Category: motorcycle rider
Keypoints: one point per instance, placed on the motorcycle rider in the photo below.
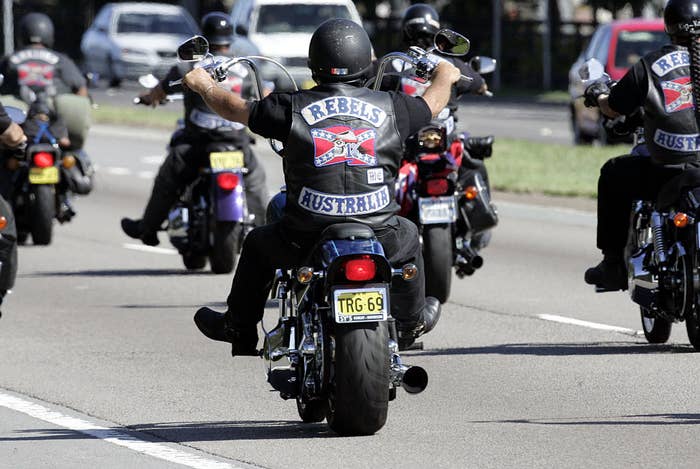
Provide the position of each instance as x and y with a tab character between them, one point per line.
36	68
320	192
188	148
670	130
11	136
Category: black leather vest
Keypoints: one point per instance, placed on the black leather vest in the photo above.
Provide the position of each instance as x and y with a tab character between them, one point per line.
670	127
36	69
341	158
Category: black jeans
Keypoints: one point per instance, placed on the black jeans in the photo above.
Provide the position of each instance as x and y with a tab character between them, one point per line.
8	249
181	167
270	247
622	181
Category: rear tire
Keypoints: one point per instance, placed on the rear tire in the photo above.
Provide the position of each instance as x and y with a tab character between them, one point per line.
656	330
42	212
223	254
438	259
692	325
359	397
194	261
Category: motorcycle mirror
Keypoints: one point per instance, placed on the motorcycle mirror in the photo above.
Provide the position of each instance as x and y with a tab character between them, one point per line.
17	115
591	70
193	50
483	65
148	81
449	42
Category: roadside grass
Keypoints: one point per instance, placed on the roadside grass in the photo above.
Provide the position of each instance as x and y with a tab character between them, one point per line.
542	168
141	116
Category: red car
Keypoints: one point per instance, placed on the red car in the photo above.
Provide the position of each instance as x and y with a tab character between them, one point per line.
617	45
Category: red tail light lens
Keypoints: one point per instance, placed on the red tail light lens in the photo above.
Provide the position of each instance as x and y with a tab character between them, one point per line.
227	181
43	159
361	269
436	186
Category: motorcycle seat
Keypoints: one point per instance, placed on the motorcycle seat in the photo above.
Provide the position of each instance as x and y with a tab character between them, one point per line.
672	191
347	231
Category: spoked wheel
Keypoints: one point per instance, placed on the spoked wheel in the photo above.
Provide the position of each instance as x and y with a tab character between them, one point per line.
656	330
359	396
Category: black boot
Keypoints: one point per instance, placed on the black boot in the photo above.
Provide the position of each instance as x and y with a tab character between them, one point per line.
134	229
609	275
430	315
218	326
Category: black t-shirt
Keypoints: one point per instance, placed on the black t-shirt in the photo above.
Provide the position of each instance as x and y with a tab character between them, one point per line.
5	120
630	92
65	76
272	116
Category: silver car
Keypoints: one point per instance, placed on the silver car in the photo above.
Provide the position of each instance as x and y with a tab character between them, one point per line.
127	40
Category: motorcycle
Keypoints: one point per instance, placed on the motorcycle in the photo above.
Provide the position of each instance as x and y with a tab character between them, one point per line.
663	246
452	209
334	349
211	217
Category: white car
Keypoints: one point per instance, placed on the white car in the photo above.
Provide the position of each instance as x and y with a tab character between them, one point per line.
282	29
127	40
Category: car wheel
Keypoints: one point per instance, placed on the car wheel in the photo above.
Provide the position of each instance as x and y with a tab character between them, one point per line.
579	137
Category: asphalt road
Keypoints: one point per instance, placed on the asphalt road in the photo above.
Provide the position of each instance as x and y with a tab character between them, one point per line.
102	365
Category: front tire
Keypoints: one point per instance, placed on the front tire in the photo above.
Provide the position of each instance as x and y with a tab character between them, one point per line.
656	330
42	212
194	261
438	259
224	252
359	397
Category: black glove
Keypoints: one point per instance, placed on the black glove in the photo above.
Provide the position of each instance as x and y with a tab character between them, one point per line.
593	91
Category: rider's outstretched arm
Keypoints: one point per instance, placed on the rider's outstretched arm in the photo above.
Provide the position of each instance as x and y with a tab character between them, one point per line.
228	105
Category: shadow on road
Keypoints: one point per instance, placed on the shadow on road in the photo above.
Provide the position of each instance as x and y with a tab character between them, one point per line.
118	273
564	349
193	432
642	419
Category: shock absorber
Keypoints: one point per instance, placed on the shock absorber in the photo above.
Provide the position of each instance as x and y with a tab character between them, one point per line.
657	230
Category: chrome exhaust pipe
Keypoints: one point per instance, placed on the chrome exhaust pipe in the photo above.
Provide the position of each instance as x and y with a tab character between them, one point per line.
468	261
413	379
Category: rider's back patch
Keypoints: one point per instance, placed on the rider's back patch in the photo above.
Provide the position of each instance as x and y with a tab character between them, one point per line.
678	94
344	144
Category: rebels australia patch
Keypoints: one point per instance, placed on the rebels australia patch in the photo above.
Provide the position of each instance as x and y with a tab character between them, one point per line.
678	94
336	205
671	62
343	106
343	144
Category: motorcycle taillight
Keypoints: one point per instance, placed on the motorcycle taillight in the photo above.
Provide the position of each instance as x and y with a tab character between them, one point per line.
42	159
436	186
227	181
360	269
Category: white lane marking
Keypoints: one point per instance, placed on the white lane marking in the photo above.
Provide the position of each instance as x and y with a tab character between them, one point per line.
117	171
151	249
146	174
110	435
590	325
153	159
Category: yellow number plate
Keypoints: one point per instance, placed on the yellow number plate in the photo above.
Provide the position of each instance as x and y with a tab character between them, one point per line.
361	304
307	84
43	175
226	160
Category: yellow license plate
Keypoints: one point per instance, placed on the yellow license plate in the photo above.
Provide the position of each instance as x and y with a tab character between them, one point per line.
226	160
307	84
360	305
43	175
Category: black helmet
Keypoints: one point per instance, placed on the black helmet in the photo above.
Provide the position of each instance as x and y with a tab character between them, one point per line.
340	50
217	28
36	28
420	23
682	17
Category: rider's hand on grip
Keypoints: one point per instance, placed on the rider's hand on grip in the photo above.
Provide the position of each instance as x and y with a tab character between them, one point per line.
592	93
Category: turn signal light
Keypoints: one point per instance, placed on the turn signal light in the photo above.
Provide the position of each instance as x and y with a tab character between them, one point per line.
680	220
305	274
43	159
227	181
471	192
409	271
361	269
3	223
68	161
